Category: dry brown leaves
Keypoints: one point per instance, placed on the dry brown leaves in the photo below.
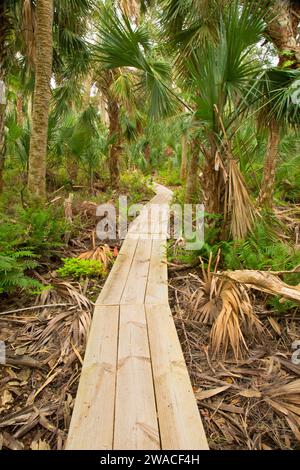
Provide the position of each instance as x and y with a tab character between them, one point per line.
226	306
104	254
248	403
38	383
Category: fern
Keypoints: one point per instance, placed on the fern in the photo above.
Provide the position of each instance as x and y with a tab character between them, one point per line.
12	272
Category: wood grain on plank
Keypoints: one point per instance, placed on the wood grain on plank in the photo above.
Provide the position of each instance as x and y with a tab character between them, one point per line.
157	285
179	420
93	415
136	425
113	288
135	287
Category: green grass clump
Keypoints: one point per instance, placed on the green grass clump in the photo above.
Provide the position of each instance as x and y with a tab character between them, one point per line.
77	268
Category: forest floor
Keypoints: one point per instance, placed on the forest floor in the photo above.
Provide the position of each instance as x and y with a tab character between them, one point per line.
45	346
244	404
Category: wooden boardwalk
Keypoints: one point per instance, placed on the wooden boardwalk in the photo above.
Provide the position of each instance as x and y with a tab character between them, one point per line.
134	391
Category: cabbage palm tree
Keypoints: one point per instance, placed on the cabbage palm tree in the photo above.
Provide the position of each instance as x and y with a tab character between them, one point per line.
41	100
129	76
283	19
18	26
217	78
5	43
3	35
279	107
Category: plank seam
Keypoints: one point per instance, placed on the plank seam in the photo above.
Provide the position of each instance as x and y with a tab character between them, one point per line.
114	414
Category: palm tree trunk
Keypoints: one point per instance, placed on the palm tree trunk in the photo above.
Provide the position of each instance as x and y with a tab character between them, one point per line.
183	157
41	100
2	135
268	181
282	30
192	183
4	29
115	147
104	83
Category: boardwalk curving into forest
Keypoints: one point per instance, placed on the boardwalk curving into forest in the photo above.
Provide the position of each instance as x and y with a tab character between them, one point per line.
135	391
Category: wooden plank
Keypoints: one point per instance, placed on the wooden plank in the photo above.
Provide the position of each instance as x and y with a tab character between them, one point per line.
179	420
157	284
135	288
93	416
136	424
113	288
142	223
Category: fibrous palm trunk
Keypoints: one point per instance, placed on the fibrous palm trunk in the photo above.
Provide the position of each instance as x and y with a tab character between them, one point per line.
268	181
213	184
2	136
192	181
4	27
282	30
41	100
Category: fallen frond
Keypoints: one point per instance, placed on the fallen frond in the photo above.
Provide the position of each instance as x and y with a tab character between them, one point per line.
263	281
285	400
225	305
62	290
103	254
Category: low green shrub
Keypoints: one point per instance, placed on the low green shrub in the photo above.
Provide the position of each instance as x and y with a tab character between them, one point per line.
75	267
36	230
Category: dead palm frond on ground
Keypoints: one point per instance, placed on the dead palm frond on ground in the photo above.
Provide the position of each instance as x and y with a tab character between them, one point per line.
227	307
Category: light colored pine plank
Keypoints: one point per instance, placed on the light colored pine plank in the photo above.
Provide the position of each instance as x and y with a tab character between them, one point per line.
157	284
136	424
179	420
135	288
93	416
113	288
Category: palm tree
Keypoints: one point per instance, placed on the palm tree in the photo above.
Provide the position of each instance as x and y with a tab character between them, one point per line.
105	80
277	111
5	28
217	77
128	78
41	100
283	18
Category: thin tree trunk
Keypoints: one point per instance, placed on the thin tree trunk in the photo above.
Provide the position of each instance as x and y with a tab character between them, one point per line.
268	181
72	168
41	100
183	168
192	183
105	81
147	153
